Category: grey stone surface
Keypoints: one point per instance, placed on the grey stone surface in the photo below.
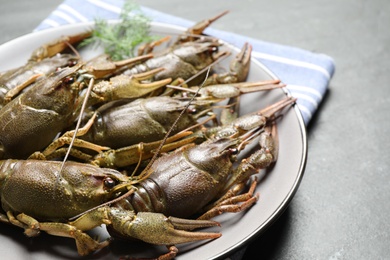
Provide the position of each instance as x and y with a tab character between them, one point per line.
341	208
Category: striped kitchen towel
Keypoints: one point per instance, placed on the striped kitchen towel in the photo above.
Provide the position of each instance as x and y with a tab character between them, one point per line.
306	74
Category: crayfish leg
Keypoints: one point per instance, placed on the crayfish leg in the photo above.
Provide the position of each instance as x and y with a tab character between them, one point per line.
130	155
54	150
233	203
261	159
172	252
32	227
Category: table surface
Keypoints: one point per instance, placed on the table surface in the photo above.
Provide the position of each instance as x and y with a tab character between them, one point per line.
341	208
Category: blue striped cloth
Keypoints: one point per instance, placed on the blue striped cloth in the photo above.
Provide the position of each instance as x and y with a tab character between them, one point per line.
306	74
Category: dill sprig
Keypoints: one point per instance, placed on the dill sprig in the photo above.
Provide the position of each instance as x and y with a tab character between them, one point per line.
120	40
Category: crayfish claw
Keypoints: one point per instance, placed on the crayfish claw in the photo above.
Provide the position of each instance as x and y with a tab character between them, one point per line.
149	47
148	74
238	68
189	224
157	229
102	66
197	29
241	64
56	46
123	86
18	89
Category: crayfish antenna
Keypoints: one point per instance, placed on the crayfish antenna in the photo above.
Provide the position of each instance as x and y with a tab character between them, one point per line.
89	89
273	109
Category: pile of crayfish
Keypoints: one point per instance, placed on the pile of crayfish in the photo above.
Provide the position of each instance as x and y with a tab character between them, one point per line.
151	159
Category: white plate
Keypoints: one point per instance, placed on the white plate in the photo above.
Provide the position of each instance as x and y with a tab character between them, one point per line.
277	188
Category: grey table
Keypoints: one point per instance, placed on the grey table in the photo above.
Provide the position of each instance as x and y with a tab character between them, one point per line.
341	208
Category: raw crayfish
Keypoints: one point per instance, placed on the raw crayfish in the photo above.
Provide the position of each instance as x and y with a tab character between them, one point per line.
52	105
195	179
131	207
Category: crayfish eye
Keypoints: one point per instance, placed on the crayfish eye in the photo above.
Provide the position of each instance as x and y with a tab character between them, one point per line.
213	49
71	63
233	151
68	80
191	111
109	183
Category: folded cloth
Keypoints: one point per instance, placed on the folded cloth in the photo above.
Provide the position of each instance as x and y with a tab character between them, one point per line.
305	73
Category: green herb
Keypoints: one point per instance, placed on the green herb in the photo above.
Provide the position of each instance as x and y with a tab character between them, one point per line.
120	40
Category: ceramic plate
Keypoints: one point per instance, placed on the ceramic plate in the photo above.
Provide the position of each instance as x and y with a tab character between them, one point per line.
276	188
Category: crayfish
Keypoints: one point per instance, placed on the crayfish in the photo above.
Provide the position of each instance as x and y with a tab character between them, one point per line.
183	172
194	179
